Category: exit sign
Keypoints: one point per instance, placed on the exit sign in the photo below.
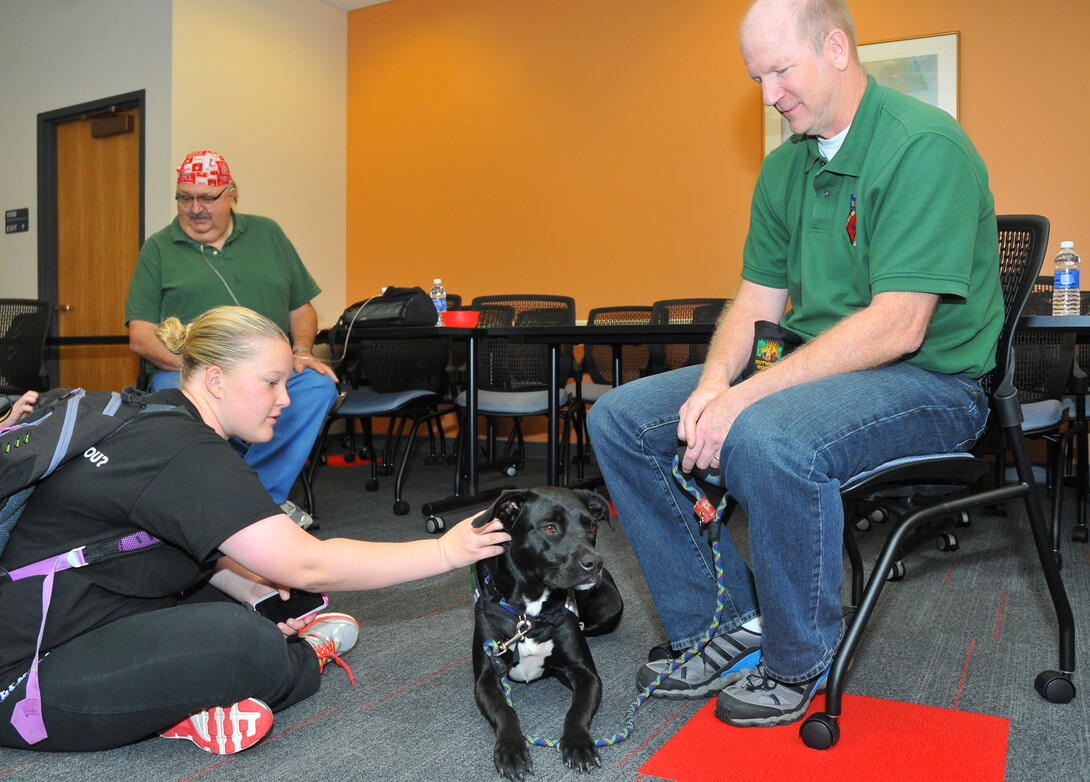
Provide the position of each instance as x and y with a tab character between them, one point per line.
16	221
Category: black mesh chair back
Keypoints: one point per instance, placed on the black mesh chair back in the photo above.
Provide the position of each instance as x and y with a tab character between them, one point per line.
1022	243
1043	365
403	364
598	359
507	365
682	311
24	325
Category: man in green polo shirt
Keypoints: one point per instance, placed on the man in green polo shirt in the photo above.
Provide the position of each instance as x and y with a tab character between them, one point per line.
211	255
873	238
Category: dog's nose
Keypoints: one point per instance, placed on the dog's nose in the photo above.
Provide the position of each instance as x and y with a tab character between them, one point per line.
591	564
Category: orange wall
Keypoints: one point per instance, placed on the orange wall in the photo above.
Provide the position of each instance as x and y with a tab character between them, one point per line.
608	149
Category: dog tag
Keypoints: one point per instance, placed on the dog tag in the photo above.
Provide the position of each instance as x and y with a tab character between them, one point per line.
705	510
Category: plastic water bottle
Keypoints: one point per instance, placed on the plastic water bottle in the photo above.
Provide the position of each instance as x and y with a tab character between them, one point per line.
439	299
1065	285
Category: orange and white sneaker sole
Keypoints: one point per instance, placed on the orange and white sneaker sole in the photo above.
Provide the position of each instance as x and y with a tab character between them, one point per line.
225	730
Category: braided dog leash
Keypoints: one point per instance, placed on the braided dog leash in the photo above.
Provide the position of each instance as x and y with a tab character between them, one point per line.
710	517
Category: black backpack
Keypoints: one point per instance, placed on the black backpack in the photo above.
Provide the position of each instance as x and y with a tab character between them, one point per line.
68	428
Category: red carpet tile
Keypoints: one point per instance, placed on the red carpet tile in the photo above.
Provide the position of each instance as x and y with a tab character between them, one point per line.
338	460
880	741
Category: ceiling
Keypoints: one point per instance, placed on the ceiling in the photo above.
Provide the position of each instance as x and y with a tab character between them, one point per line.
350	5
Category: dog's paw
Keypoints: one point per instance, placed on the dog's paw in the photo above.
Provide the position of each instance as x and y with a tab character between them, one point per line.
579	753
512	759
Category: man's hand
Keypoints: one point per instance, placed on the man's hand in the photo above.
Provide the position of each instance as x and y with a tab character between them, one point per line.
301	361
705	421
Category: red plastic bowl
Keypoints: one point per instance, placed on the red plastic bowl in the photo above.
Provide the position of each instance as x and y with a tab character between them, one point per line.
461	319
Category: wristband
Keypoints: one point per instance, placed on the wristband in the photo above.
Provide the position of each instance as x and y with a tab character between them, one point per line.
299	351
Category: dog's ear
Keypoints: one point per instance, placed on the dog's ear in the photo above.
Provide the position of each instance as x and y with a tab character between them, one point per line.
599	508
506	508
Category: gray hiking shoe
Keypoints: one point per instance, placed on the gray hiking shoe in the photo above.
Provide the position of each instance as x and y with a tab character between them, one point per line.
726	659
302	519
758	700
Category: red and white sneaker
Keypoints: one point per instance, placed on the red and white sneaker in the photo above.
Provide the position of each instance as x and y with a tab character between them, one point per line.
332	635
225	730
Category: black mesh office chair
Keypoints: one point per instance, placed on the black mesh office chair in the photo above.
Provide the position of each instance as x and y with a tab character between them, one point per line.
1045	369
663	358
24	326
597	363
926	490
513	377
403	380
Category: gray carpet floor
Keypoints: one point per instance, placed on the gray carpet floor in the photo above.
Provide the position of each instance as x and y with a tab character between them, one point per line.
411	714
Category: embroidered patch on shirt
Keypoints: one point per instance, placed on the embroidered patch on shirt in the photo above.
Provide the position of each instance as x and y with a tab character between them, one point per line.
851	222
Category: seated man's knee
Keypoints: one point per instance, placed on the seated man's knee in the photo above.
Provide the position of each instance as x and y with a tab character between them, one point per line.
163	380
317	389
612	413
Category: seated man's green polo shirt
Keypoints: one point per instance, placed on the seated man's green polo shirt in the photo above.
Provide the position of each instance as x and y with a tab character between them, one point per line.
903	206
257	268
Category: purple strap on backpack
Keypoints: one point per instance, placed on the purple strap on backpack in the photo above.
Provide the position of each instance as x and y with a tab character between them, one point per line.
27	715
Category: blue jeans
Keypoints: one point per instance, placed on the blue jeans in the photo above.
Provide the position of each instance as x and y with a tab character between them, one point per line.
279	461
784	460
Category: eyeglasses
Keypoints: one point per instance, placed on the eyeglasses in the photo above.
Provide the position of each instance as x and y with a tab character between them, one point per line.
185	199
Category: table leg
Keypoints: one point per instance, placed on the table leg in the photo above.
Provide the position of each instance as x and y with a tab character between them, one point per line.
473	495
554	413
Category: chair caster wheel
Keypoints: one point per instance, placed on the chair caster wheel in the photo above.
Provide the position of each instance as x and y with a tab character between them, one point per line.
1054	687
349	458
947	541
371	485
820	731
401	508
963	520
1079	534
435	524
324	460
510	471
897	571
429	460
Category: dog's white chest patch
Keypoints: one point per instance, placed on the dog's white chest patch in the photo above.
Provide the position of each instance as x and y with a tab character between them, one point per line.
534	608
532	656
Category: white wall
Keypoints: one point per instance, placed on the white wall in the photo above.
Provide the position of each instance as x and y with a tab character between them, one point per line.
264	83
60	53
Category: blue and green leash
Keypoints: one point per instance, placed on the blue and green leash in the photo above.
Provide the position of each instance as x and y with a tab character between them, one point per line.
710	517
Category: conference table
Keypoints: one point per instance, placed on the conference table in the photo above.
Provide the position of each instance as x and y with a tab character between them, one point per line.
553	337
616	336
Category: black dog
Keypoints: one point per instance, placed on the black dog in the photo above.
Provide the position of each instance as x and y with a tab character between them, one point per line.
525	619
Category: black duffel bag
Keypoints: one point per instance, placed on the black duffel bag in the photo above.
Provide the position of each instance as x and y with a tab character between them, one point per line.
395	307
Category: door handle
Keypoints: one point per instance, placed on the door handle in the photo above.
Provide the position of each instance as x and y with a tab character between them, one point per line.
63	308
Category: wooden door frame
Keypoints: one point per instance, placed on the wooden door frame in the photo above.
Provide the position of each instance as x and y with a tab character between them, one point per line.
47	189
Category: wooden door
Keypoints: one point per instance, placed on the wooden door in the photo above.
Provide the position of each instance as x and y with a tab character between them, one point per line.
98	239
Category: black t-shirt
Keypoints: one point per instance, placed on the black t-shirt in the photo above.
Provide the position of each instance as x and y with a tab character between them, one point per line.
168	474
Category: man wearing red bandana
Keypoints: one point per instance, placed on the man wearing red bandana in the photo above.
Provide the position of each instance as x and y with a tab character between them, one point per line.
211	255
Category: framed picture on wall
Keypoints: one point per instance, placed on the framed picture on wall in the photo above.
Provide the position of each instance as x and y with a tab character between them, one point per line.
925	68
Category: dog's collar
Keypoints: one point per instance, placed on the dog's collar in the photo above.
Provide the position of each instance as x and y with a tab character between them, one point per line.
488	594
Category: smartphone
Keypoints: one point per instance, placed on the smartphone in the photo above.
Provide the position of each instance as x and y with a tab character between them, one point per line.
299	605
